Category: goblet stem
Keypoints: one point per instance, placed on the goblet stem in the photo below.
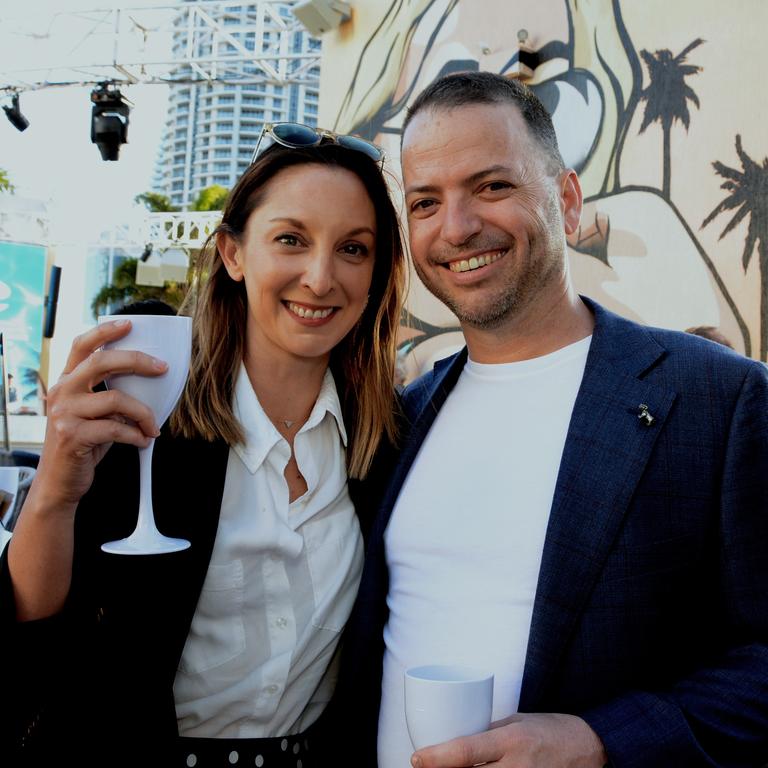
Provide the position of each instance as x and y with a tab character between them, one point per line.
145	539
145	525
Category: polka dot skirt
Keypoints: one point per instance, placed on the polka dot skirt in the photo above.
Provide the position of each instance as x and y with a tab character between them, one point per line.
288	752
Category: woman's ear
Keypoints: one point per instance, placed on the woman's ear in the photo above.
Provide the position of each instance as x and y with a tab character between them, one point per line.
229	250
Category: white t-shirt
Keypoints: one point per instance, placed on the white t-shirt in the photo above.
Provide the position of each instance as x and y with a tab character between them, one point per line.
465	540
280	584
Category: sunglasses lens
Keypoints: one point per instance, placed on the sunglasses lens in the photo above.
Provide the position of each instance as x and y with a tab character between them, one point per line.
296	135
360	145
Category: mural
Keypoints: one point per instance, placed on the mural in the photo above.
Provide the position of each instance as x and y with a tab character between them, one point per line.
644	111
22	289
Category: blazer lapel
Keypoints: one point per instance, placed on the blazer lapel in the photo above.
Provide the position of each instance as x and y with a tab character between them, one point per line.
156	595
606	451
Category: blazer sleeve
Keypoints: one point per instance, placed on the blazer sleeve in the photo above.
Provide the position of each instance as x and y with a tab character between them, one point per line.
43	657
718	715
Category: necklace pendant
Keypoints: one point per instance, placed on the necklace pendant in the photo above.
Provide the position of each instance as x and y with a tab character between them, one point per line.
288	424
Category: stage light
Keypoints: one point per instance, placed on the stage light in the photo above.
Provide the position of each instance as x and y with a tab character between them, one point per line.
109	119
13	113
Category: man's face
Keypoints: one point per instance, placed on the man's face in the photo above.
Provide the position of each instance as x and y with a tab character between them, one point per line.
486	213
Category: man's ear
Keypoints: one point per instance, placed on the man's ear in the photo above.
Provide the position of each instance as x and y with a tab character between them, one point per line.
570	200
229	250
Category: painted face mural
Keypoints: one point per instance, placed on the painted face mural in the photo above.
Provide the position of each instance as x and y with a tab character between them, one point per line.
638	110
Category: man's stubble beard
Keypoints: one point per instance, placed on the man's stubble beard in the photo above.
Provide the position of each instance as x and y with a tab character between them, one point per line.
509	299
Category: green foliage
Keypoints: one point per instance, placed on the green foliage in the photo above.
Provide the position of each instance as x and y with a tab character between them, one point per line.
124	290
155	202
212	198
5	182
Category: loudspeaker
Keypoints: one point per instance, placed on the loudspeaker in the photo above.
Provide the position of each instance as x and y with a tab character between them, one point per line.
51	300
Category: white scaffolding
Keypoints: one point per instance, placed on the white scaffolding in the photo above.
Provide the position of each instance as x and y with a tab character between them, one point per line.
230	41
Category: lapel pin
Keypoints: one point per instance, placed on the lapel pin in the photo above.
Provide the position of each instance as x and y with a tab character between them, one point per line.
644	415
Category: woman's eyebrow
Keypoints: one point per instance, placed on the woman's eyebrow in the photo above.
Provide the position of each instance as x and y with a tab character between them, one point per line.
361	231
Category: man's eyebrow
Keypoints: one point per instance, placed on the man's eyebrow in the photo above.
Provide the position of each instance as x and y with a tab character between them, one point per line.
420	188
480	175
469	181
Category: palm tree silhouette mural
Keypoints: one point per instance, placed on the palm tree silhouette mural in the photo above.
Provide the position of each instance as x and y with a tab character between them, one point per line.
748	190
667	96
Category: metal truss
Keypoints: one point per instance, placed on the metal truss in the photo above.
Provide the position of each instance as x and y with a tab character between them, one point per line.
230	41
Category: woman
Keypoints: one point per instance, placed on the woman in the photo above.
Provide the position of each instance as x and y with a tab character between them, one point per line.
221	654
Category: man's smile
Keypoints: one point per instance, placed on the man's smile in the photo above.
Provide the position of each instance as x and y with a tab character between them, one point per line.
475	262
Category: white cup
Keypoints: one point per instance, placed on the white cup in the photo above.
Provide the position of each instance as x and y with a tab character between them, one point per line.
444	702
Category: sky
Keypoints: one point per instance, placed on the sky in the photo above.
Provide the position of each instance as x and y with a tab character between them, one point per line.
54	159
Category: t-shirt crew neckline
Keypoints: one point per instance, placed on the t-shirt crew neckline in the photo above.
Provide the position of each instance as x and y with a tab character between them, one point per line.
532	366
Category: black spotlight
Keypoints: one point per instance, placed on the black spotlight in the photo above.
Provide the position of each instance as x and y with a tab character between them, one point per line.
109	120
13	113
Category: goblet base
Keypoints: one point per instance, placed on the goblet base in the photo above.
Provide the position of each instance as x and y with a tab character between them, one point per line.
156	544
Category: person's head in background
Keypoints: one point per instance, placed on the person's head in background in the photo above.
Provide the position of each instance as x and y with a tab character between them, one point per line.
711	333
146	307
231	302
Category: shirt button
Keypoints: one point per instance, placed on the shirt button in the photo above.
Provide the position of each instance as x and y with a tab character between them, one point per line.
281	622
272	688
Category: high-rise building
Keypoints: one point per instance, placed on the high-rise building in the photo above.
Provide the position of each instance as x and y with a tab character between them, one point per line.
212	128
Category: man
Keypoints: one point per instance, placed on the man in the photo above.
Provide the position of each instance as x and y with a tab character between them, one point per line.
579	504
711	333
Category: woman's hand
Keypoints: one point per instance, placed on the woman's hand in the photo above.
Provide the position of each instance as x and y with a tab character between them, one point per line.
83	424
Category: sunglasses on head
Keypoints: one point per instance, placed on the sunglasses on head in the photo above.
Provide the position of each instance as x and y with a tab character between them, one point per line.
297	136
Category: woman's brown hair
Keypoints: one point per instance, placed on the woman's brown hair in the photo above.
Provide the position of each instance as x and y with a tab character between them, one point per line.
362	363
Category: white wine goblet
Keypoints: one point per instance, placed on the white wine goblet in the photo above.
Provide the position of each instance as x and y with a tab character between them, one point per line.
168	338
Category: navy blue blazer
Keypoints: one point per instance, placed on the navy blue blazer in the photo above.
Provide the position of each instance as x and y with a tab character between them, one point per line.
651	615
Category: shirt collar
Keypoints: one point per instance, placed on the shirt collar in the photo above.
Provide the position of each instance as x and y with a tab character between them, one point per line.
260	435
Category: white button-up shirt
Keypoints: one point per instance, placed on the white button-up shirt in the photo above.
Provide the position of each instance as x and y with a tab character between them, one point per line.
280	584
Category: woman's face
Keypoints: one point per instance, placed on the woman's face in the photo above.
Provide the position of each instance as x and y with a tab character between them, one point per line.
306	257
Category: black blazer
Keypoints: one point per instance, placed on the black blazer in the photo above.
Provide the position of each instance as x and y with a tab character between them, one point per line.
95	683
651	613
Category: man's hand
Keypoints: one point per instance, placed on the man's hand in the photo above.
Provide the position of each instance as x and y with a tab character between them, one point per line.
521	741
